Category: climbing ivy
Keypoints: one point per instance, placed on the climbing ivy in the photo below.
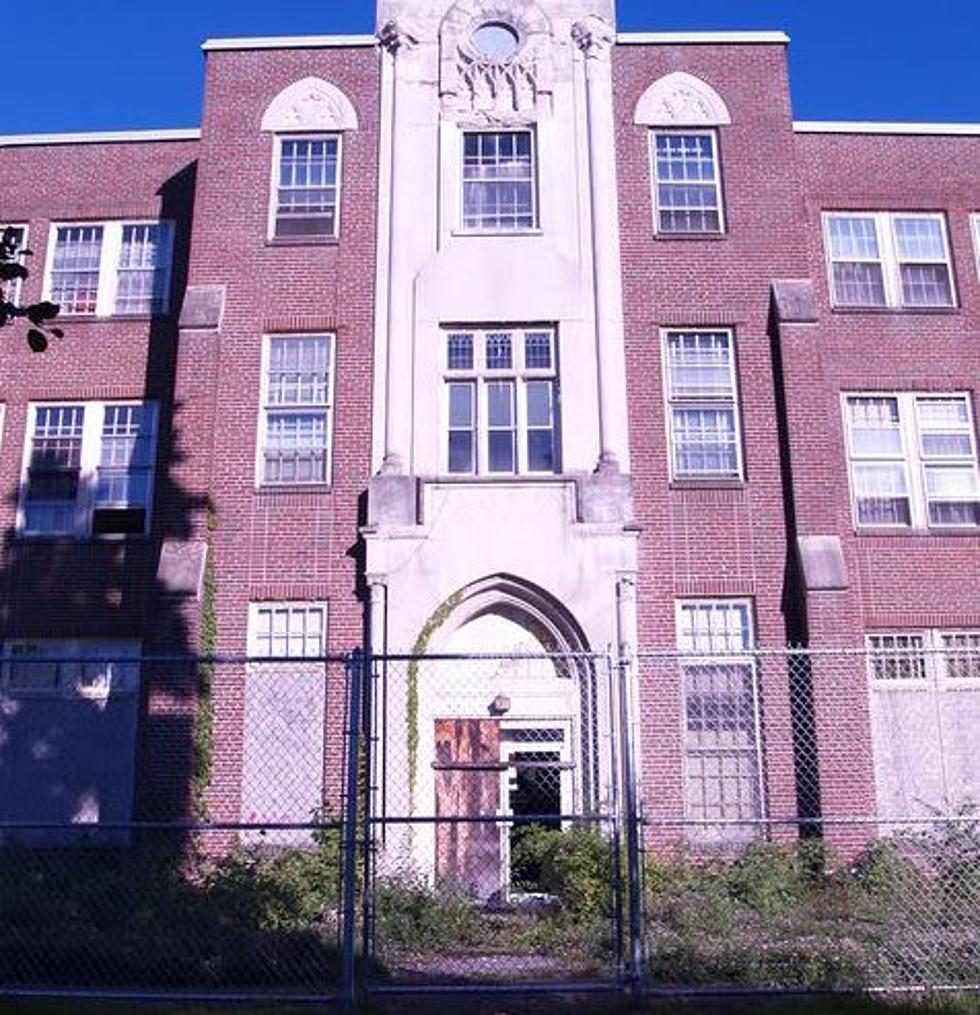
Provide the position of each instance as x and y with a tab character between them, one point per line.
421	646
204	718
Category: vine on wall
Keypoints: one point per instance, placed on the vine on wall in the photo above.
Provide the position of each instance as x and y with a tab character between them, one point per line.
204	718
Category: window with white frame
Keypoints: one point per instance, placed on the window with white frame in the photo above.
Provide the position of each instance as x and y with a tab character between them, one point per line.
296	420
687	193
722	745
975	227
499	180
913	460
702	399
70	667
105	268
501	401
889	259
306	192
88	469
287	630
12	289
949	658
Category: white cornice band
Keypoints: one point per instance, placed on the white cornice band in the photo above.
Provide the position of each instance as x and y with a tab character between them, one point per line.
99	137
701	38
875	127
290	42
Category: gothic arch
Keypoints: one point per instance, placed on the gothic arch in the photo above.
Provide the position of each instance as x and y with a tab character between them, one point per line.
681	100
527	604
310	105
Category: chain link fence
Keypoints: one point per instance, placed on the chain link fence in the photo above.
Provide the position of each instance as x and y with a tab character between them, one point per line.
685	820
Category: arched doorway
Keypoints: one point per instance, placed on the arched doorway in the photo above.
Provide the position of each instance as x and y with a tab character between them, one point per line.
507	704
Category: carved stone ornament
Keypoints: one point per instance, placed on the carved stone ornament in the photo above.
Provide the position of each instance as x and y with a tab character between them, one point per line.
594	36
310	105
681	100
396	35
477	88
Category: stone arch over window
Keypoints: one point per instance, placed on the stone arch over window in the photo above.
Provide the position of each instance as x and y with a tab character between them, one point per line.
472	84
312	105
681	100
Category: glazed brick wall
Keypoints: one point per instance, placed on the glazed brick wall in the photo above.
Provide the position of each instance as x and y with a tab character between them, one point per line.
94	588
283	543
711	540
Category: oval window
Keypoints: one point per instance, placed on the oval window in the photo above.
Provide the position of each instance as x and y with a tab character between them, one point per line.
496	41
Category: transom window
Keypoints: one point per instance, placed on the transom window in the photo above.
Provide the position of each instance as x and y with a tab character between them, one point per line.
913	460
501	401
107	268
687	182
703	417
898	659
297	411
886	259
306	200
12	289
89	469
288	630
499	188
70	668
722	764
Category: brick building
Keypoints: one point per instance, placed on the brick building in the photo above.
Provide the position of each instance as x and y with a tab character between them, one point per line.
498	332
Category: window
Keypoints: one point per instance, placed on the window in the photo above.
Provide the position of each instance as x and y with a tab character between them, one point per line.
687	182
887	259
722	746
913	460
901	659
287	630
499	190
501	401
100	269
306	198
88	469
12	289
297	412
71	668
975	225
703	419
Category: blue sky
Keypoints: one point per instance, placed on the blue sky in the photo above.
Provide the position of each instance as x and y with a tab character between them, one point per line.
115	64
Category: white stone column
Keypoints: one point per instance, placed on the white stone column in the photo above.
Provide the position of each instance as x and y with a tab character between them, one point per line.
595	38
398	43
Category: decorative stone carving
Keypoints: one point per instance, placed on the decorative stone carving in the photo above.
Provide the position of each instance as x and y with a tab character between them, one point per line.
310	105
477	88
203	308
795	301
180	570
681	100
396	35
594	36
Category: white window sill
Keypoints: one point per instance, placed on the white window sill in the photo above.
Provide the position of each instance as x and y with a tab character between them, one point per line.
497	232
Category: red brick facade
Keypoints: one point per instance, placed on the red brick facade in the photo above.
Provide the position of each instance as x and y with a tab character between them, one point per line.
732	539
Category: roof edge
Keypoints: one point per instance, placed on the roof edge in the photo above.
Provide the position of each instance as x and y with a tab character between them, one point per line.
289	42
880	127
702	38
98	137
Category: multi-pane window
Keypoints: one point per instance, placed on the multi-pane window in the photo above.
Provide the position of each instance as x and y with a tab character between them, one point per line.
110	268
306	200
89	469
297	411
884	259
913	460
499	188
288	630
950	658
722	764
975	228
72	668
501	401
12	289
687	182
702	398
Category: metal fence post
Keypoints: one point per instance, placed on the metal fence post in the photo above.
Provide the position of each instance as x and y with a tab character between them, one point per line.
348	985
633	874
